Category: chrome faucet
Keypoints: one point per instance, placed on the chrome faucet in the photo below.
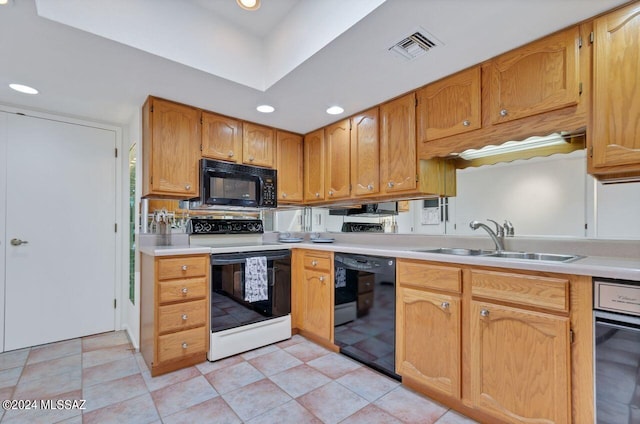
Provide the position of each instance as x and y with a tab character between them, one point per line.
497	236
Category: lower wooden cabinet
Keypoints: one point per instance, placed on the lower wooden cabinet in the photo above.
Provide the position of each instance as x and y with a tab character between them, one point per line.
174	306
501	346
313	291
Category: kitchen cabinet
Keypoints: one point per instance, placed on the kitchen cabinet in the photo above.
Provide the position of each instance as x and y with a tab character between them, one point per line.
313	168
337	138
428	313
314	292
221	137
170	149
174	311
289	164
365	153
449	106
615	139
258	145
398	163
536	78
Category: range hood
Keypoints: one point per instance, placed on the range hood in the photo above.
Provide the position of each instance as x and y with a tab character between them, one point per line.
368	210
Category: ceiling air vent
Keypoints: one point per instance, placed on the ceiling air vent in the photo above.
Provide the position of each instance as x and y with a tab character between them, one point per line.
415	45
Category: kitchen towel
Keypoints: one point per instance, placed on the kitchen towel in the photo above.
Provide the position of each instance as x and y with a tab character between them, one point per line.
341	277
255	279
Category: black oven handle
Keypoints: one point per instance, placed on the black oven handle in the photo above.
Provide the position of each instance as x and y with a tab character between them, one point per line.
240	257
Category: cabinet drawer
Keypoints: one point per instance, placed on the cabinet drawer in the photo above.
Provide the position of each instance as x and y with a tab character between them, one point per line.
423	275
182	315
181	344
366	281
317	262
186	289
183	267
531	290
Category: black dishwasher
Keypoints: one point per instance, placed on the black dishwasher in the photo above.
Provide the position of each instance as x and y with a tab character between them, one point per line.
364	315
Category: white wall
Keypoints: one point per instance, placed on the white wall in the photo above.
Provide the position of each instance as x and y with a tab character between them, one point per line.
3	210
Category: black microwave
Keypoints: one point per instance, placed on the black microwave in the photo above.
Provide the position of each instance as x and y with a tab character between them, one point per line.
229	184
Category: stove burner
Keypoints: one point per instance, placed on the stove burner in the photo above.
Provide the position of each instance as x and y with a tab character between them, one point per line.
361	227
225	226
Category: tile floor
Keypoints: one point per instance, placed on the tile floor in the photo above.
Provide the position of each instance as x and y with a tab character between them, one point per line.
295	381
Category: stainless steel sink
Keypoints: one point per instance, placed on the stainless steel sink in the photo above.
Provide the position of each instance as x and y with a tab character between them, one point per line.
458	251
551	257
535	256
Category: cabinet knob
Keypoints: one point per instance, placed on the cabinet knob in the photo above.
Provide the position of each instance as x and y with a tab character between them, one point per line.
184	267
184	317
466	123
251	158
314	263
321	278
185	345
184	290
230	154
284	195
370	187
187	186
504	112
484	313
330	192
390	184
317	194
444	305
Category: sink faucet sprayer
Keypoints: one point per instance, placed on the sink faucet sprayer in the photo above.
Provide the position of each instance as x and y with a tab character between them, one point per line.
498	235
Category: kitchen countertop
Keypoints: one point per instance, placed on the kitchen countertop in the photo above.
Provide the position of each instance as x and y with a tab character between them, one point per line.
596	266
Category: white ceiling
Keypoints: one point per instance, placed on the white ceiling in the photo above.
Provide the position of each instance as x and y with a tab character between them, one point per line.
100	59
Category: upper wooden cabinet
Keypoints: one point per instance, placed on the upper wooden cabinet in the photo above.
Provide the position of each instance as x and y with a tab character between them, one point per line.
337	138
221	137
615	138
289	160
365	153
258	145
314	166
171	149
398	163
536	78
449	106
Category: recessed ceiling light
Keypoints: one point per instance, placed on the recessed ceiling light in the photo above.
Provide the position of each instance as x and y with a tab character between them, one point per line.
249	4
24	88
265	108
3	2
335	110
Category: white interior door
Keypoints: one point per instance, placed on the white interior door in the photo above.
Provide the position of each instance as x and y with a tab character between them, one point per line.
60	200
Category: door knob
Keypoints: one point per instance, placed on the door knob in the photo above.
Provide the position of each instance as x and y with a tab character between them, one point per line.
18	242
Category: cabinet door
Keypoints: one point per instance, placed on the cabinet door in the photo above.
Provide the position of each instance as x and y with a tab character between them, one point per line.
616	102
258	145
536	78
172	141
428	339
398	161
337	141
314	166
450	106
221	137
365	153
289	158
520	364
318	305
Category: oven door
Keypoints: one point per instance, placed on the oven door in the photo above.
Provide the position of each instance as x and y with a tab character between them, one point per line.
229	307
617	363
227	188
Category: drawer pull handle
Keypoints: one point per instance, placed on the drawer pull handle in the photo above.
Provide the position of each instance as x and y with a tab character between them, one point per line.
504	112
466	123
321	279
314	263
317	194
184	267
184	317
230	153
184	290
444	305
390	184
484	313
370	187
185	345
187	187
284	195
